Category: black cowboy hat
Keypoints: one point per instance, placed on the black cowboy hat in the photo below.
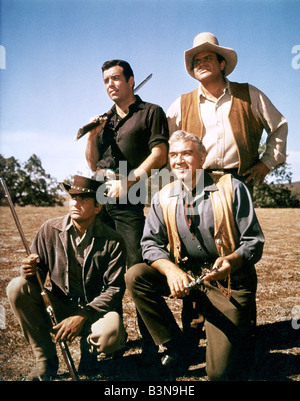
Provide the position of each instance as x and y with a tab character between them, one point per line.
82	185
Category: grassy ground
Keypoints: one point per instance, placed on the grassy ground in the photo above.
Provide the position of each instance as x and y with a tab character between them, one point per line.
278	307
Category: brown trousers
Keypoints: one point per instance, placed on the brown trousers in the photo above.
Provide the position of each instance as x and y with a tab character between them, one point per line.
229	324
106	335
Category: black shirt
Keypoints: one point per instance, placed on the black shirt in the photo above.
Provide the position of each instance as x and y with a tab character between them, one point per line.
132	138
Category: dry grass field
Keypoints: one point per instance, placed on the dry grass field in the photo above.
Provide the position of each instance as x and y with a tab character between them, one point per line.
278	307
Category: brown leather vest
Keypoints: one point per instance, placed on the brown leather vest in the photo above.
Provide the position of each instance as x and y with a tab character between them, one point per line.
247	130
225	232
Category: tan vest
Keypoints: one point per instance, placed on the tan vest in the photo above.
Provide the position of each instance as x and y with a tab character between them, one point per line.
225	232
247	130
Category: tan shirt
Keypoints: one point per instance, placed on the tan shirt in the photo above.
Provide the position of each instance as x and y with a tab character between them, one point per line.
218	137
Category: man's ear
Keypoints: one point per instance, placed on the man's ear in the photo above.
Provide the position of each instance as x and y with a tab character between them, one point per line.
222	65
203	157
131	82
98	208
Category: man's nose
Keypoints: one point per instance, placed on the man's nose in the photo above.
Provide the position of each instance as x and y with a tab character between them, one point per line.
179	158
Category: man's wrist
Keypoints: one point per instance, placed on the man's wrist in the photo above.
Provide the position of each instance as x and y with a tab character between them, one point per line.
132	179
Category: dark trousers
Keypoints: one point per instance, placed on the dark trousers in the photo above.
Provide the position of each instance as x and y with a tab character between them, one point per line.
229	324
128	220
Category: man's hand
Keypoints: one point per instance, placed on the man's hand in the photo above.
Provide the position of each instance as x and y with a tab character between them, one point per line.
116	188
119	188
69	328
224	266
178	281
102	120
29	265
91	152
257	173
177	278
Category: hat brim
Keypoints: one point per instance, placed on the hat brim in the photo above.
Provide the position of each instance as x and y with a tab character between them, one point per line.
73	191
227	53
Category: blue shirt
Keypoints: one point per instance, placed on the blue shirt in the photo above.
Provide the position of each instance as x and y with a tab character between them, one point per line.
155	239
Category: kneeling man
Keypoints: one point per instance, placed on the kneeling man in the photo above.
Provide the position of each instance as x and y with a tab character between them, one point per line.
200	223
86	262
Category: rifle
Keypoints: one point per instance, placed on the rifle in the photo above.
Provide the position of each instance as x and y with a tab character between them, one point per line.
86	128
63	345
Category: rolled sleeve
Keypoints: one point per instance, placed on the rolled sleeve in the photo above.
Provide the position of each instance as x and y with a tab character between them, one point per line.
275	125
159	128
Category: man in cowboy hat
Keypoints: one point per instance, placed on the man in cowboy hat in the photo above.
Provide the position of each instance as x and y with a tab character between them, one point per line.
86	262
229	117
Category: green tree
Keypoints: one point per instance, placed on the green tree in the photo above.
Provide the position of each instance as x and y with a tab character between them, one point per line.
29	184
275	193
11	172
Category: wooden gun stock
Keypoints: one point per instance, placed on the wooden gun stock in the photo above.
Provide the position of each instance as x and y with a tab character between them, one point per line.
63	345
86	128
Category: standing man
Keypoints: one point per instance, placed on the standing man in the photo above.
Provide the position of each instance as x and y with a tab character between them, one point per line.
195	224
227	116
135	135
86	261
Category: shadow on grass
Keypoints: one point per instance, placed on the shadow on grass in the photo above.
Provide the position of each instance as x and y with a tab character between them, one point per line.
275	360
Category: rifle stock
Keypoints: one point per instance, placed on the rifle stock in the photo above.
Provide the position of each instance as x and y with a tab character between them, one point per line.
86	128
63	345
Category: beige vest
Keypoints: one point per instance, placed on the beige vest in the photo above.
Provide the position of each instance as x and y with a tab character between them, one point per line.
225	232
247	130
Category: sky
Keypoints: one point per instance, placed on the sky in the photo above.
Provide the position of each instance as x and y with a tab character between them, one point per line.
51	52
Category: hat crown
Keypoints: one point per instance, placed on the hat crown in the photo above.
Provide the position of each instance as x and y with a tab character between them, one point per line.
205	37
82	185
206	41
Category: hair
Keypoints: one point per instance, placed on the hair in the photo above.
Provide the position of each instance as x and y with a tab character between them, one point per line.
220	59
184	136
127	70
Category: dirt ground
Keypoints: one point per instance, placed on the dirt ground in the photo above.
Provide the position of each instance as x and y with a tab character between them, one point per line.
278	308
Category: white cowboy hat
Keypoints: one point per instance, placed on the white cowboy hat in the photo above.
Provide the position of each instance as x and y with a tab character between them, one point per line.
206	41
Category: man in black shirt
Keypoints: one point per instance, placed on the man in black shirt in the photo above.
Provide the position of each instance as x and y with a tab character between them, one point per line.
123	150
134	136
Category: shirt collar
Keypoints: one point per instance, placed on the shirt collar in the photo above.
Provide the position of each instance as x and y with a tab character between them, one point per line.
136	105
209	186
72	230
202	92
